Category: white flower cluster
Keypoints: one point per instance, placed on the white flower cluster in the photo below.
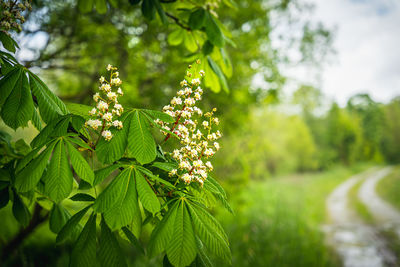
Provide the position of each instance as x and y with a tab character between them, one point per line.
197	138
107	108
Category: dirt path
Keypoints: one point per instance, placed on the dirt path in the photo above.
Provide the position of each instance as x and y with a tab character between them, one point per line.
384	213
357	243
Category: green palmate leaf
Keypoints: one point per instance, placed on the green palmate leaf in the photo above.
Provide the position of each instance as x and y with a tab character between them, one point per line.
197	18
160	12
58	218
79	109
176	37
148	9
190	42
140	142
28	177
211	80
20	211
43	136
110	253
36	120
165	166
202	259
100	175
50	106
79	164
126	210
162	233
71	226
85	6
147	172
207	48
58	179
79	142
101	6
182	250
227	65
208	219
8	42
77	122
219	73
147	196
213	31
18	108
8	82
210	233
82	197
61	128
84	251
113	150
114	192
132	238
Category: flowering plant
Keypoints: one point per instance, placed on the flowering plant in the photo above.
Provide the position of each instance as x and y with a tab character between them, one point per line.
103	162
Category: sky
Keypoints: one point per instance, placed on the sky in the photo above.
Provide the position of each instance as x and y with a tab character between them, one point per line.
367	44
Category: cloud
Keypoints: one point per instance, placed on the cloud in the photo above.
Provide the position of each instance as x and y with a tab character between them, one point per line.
367	44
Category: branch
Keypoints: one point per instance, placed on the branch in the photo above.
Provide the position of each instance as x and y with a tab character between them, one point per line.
14	243
177	21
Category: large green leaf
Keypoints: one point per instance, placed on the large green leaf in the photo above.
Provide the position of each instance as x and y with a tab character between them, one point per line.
71	226
58	179
18	108
148	9
110	253
197	18
101	174
209	233
182	250
126	210
85	6
101	6
79	164
20	211
50	106
58	218
160	11
162	233
8	42
8	82
140	140
132	238
29	176
214	66
110	151
176	37
84	251
147	196
213	31
114	193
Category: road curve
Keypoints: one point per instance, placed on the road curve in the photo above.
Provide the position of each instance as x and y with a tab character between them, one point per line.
384	213
357	243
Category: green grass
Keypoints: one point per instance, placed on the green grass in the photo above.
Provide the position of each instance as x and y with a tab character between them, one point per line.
389	187
357	205
278	221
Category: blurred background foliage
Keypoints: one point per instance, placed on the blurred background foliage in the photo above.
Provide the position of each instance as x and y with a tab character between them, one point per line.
268	132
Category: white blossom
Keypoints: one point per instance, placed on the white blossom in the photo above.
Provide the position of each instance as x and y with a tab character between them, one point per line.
107	135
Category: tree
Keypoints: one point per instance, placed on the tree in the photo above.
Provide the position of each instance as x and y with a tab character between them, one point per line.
79	147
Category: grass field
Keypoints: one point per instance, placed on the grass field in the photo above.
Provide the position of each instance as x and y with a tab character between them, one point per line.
278	221
389	187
